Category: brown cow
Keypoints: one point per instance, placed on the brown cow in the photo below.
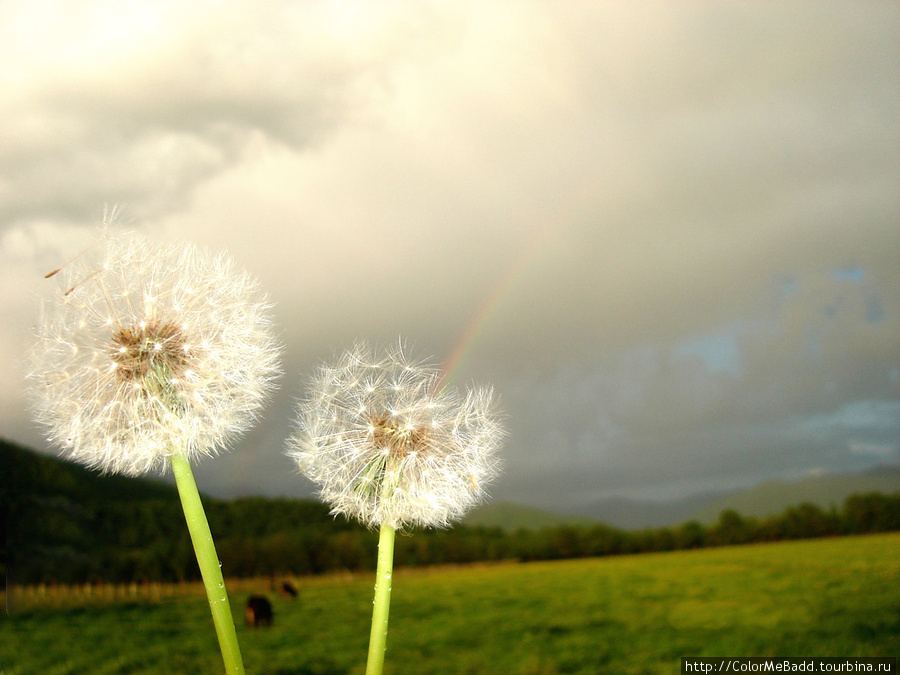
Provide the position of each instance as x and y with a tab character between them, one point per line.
259	611
288	590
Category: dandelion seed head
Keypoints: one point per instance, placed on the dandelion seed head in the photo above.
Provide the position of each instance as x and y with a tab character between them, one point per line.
146	349
387	445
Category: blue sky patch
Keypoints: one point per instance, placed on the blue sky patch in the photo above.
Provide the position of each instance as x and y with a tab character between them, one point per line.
718	351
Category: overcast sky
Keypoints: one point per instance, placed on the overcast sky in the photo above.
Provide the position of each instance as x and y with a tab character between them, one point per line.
667	233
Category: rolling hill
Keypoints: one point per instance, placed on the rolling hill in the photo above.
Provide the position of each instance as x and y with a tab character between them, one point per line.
825	491
65	524
68	487
26	472
509	516
767	498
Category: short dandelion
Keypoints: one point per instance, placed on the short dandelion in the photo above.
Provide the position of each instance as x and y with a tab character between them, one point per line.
390	446
149	356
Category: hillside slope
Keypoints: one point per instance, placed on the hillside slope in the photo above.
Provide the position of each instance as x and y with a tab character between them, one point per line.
825	491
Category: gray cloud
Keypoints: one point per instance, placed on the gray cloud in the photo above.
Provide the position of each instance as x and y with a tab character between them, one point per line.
667	233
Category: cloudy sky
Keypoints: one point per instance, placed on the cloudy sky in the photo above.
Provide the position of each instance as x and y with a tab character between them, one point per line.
668	233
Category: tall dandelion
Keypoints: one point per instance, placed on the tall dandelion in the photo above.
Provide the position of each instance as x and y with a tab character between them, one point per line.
391	447
149	356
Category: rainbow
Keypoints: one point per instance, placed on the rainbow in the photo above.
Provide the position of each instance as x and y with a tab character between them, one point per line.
469	335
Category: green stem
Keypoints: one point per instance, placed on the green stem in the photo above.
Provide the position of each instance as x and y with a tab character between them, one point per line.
378	636
208	561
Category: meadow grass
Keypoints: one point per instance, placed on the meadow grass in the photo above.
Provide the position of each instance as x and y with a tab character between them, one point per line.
628	614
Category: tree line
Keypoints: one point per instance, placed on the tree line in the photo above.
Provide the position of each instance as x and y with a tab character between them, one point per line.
146	540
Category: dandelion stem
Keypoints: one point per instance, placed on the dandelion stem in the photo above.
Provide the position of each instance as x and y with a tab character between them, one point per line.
208	561
378	636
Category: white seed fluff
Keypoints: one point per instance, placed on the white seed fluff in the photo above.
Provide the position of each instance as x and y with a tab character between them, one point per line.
387	445
147	349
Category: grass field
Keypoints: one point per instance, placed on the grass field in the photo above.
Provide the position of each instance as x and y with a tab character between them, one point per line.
629	614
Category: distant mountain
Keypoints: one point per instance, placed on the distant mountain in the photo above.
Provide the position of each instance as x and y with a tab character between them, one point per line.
64	523
825	491
765	499
637	514
509	516
48	484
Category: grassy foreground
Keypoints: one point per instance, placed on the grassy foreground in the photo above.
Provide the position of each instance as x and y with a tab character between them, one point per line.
629	614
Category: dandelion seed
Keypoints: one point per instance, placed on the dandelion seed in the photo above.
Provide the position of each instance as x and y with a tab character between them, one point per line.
130	366
386	448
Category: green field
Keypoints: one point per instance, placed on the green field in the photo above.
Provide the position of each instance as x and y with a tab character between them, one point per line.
629	614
